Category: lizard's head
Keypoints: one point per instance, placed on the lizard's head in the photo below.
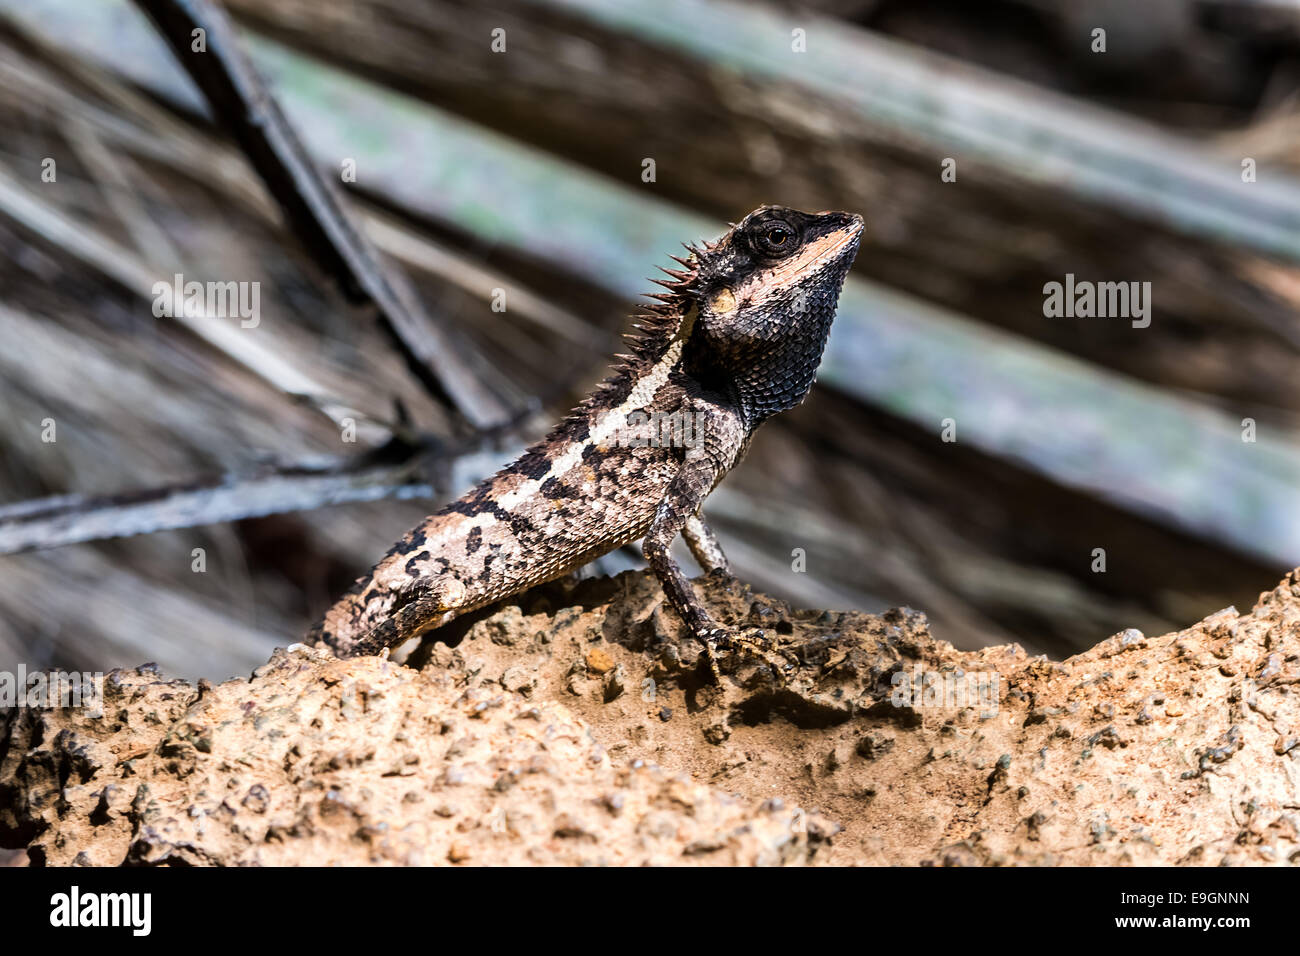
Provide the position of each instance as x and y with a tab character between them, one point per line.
767	293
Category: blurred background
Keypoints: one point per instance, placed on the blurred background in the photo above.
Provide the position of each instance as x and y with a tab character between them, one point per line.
549	153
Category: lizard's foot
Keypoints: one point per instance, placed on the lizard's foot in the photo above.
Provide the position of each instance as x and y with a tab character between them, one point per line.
753	640
712	638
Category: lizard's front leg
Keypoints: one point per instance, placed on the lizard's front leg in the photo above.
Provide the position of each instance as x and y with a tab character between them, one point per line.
670	518
723	439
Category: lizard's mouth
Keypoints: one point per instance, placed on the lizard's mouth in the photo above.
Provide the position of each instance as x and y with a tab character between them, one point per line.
852	225
853	232
825	249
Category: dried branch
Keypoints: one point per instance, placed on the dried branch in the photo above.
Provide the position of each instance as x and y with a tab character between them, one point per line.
122	266
154	134
449	368
73	519
1187	469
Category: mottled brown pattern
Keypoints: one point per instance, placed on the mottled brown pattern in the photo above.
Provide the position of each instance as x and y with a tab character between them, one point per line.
737	338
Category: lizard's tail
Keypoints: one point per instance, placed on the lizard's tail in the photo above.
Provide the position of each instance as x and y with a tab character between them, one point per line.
346	623
393	603
368	619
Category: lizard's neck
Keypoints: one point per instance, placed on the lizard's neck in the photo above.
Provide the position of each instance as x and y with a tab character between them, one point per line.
761	377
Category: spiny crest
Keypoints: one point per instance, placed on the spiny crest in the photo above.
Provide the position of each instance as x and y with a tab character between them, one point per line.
653	328
656	323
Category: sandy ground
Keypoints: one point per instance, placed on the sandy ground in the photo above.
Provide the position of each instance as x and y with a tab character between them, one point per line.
577	727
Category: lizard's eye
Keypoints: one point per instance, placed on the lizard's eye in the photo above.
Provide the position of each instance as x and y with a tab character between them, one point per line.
775	238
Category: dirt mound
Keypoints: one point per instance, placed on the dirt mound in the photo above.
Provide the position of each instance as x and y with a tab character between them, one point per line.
576	726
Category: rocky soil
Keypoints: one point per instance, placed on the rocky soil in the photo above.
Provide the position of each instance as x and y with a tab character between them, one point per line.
577	726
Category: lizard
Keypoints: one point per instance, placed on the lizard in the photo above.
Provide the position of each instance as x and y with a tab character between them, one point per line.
736	338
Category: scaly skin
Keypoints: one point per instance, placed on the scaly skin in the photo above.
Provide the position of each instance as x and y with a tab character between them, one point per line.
736	339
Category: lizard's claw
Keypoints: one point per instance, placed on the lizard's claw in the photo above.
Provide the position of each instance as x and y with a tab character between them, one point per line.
714	638
756	641
753	640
